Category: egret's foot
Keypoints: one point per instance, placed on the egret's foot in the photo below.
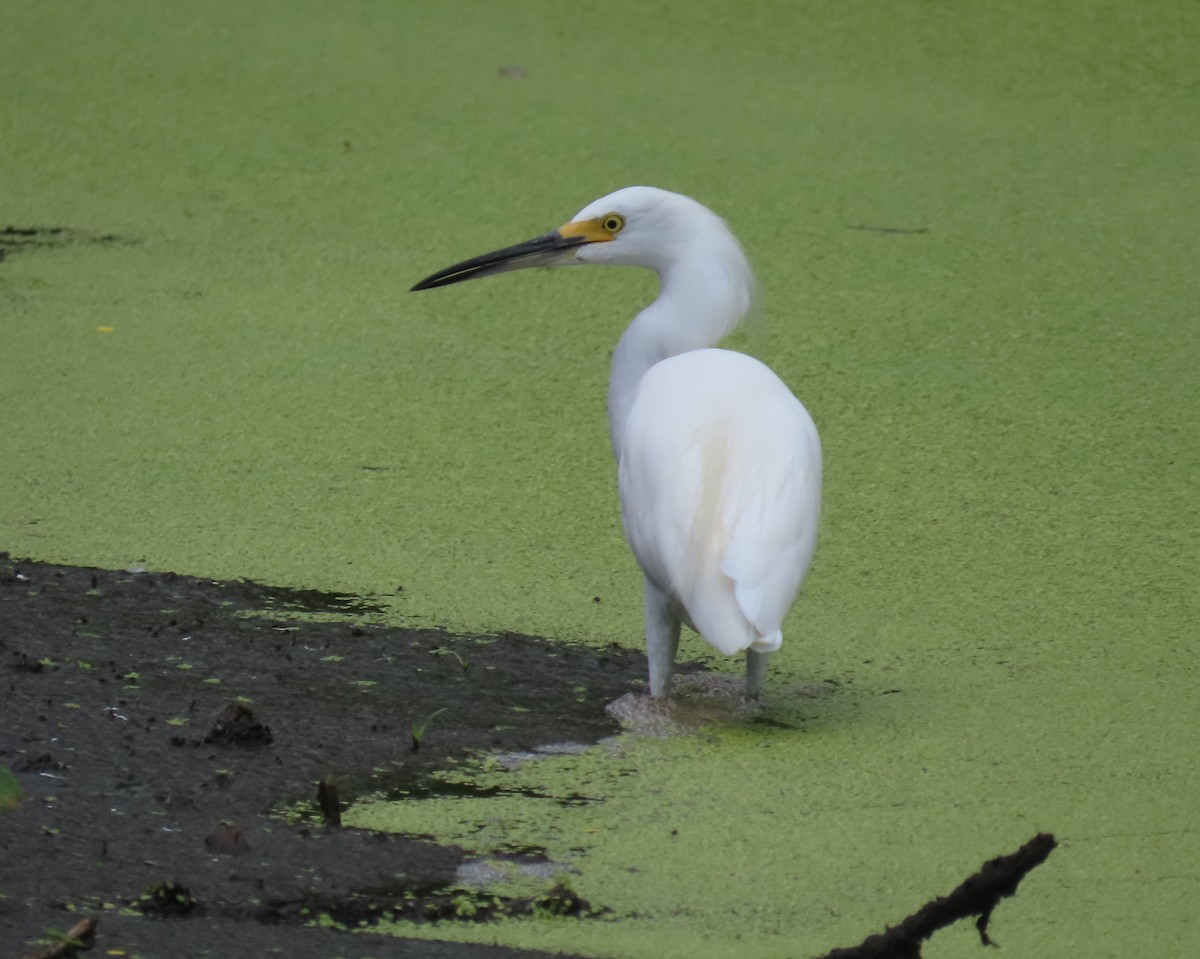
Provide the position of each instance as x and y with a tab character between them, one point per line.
646	715
699	699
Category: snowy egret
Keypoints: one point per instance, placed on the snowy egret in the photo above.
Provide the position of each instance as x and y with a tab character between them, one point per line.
719	465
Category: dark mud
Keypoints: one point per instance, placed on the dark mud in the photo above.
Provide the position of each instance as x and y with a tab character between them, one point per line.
157	723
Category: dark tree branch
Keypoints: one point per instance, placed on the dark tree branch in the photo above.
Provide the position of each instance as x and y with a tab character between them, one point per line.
978	896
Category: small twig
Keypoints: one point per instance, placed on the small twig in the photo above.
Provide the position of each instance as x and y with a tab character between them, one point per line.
896	230
978	896
327	799
78	937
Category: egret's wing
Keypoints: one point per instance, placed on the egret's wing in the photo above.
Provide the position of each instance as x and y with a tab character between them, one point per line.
720	493
772	507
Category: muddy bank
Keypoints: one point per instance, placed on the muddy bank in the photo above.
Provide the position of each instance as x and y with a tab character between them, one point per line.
157	722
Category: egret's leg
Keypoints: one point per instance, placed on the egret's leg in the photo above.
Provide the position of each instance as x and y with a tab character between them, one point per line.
662	640
756	672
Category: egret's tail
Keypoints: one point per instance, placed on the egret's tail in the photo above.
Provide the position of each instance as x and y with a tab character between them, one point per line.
769	643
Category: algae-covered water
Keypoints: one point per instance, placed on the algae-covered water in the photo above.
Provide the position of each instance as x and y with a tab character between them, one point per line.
977	232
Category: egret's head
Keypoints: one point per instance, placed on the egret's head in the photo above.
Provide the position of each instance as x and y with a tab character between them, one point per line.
636	226
643	226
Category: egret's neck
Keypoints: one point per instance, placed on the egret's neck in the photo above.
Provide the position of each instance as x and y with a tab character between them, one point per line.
701	298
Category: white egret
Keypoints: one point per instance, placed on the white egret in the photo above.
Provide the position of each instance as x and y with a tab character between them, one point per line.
719	465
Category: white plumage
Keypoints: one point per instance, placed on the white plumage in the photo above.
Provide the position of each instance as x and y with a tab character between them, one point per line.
719	507
719	465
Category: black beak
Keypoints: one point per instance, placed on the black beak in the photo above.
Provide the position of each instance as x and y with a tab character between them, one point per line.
545	250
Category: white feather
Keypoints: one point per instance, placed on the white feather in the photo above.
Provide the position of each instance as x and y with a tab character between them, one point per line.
720	478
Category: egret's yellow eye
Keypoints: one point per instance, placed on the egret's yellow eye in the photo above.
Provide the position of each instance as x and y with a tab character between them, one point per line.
612	223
